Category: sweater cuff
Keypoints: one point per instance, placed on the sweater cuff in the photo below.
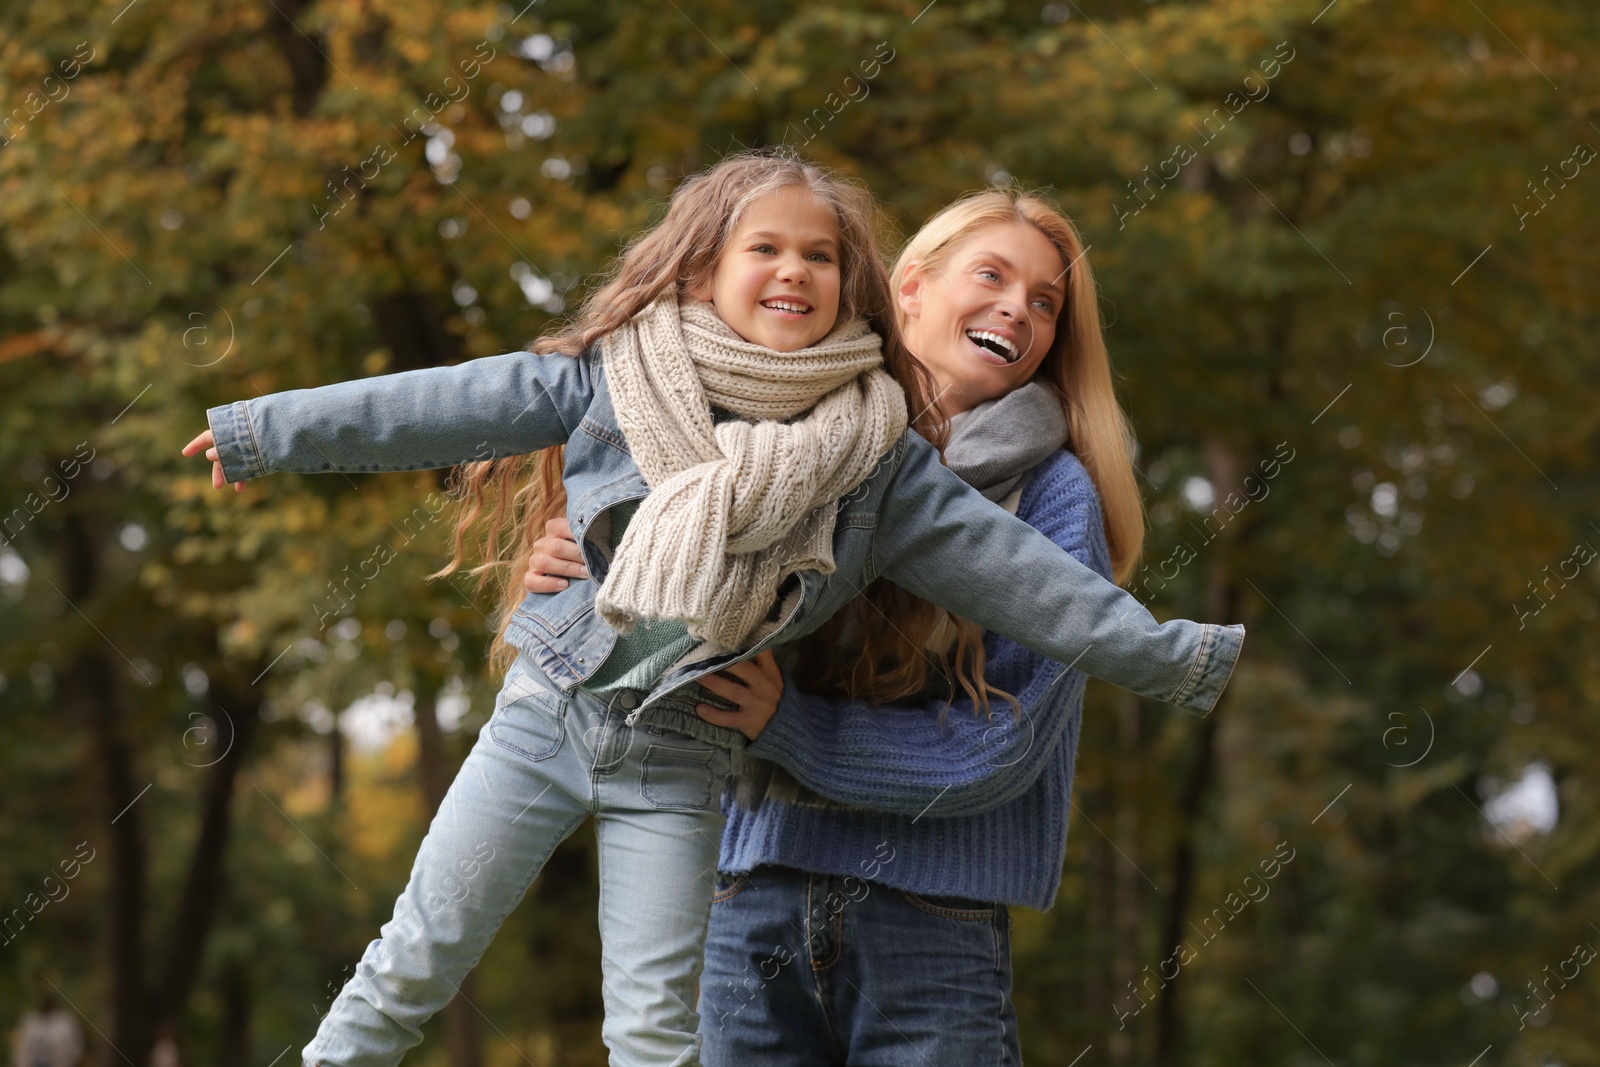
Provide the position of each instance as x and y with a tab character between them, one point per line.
783	735
235	442
1213	666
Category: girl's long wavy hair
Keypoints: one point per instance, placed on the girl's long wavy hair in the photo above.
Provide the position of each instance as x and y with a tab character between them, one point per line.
502	505
888	663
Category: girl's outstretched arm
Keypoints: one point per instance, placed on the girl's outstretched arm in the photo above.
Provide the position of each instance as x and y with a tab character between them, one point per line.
940	539
905	759
438	417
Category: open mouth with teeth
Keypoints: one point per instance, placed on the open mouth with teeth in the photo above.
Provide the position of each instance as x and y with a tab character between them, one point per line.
994	344
787	307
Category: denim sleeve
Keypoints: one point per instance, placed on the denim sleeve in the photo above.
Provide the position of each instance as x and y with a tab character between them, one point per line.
941	540
903	759
485	408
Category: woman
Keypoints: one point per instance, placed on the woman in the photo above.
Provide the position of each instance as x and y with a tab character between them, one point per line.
871	852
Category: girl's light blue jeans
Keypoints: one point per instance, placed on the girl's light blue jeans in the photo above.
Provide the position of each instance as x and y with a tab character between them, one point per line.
544	761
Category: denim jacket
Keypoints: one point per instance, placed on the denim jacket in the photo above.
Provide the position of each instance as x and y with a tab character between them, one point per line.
912	521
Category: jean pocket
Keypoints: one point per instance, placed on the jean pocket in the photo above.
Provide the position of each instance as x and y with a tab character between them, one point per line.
679	778
528	718
963	908
729	886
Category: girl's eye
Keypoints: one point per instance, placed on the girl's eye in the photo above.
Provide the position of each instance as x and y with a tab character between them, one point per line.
1045	306
763	249
820	257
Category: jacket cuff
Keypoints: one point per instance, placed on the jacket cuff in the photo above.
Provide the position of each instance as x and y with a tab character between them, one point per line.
235	441
1213	666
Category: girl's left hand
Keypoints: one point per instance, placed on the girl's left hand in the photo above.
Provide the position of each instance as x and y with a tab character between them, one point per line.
757	691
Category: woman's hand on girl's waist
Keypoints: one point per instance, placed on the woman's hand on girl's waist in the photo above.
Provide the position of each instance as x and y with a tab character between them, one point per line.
754	686
756	692
555	554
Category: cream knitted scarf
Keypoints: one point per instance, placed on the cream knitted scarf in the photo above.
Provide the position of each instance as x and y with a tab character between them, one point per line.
736	507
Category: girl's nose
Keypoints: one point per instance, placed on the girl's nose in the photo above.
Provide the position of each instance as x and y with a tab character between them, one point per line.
794	268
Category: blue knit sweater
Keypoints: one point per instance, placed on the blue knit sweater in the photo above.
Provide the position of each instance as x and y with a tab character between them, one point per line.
976	808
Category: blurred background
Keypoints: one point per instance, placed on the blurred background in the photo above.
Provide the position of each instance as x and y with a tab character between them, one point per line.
1348	256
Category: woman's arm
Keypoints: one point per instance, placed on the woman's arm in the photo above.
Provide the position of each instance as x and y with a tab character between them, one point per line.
901	759
438	417
940	539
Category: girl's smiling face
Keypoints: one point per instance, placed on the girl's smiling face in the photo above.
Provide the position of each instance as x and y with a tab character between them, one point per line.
983	320
777	280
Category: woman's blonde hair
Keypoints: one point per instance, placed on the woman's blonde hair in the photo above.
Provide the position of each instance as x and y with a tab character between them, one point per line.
890	664
511	499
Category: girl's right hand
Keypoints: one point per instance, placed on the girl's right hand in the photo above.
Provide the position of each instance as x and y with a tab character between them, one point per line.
208	443
554	554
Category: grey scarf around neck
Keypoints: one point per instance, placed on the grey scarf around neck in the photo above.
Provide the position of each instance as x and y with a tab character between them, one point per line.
994	444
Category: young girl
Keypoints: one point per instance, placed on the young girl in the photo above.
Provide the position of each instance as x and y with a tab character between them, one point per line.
737	467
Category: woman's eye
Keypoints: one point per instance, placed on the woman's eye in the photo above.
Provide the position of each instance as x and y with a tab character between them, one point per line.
985	272
1045	306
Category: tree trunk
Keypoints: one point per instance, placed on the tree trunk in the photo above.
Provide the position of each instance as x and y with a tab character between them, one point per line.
1099	984
430	744
305	56
1168	1021
336	761
91	689
413	329
94	678
204	883
1222	605
233	1047
461	1026
1126	911
90	692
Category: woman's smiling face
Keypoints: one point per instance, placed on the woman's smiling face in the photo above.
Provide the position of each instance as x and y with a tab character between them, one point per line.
982	320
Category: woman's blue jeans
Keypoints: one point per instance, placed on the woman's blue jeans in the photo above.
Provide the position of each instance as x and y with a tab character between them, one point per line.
543	763
820	970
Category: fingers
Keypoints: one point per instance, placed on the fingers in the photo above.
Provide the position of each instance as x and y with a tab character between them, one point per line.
758	676
218	479
551	563
717	717
753	689
770	673
534	582
555	558
754	686
551	555
205	440
726	689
